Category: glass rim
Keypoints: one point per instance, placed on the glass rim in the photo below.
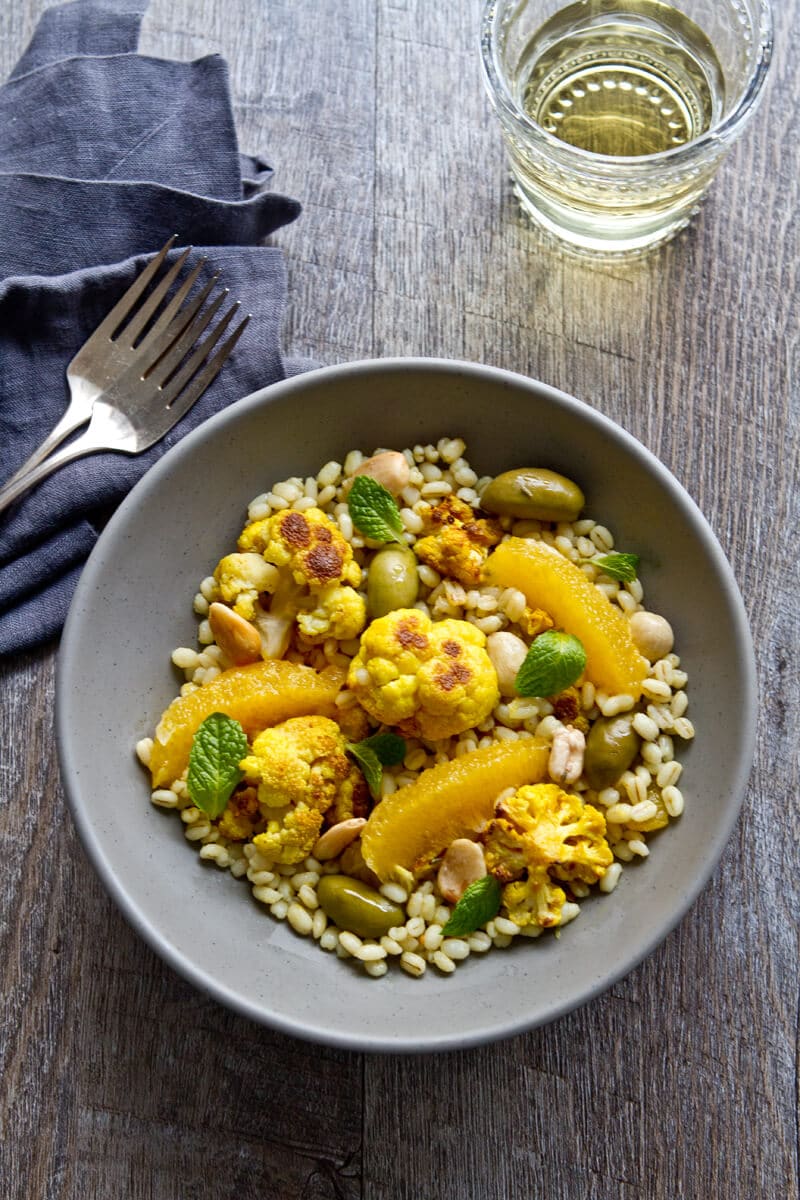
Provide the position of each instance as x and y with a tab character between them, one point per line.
723	130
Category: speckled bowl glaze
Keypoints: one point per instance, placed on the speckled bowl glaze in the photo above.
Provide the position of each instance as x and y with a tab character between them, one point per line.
134	605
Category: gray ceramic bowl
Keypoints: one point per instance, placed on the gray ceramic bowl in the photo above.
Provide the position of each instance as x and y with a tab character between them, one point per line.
134	605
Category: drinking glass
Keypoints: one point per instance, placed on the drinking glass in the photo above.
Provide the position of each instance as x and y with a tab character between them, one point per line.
616	114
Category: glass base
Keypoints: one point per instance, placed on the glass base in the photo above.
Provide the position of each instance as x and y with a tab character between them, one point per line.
590	236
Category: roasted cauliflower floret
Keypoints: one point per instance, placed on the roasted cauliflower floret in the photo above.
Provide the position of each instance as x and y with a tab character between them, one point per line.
540	834
242	817
290	837
339	612
504	851
312	576
429	679
301	760
308	543
535	900
535	621
560	831
302	773
242	578
457	542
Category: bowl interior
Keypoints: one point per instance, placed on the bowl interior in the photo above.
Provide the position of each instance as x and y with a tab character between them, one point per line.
134	605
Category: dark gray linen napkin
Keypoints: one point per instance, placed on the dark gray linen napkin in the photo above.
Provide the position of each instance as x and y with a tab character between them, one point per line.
104	153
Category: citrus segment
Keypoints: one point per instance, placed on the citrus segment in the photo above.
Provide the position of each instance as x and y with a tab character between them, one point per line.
257	695
552	582
448	801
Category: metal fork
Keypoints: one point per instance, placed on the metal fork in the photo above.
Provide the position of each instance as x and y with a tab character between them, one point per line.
114	346
133	391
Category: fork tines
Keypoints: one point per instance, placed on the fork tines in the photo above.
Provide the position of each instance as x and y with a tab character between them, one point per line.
112	323
183	387
161	341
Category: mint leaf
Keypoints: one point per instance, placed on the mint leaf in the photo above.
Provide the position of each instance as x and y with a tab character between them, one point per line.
374	753
479	903
554	661
374	510
618	566
370	765
218	746
389	747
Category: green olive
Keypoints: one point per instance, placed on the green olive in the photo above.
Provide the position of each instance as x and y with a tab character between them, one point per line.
533	493
392	580
611	746
354	905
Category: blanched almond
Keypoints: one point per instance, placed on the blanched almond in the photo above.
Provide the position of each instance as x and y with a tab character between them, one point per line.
237	639
336	839
463	864
389	468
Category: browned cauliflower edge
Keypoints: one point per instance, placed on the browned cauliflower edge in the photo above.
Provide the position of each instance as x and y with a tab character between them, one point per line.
303	779
542	836
431	679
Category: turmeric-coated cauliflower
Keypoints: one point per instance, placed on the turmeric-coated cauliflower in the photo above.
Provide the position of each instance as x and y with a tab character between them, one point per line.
534	621
294	567
290	837
242	818
308	543
242	578
338	612
541	834
429	679
535	900
560	831
302	774
457	541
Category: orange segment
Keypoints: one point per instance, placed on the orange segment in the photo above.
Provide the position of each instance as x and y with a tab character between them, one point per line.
448	801
257	695
552	582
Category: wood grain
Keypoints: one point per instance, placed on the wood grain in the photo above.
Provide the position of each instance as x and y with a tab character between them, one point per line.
680	1083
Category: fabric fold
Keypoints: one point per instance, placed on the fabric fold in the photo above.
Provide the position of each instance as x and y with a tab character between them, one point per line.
59	224
109	27
36	570
104	155
91	123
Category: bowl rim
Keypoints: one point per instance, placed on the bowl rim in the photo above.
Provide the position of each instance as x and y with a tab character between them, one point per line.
217	989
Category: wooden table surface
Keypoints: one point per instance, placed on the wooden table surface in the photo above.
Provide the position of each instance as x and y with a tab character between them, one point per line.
119	1081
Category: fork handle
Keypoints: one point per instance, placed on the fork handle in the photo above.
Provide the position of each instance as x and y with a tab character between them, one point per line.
70	421
88	443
